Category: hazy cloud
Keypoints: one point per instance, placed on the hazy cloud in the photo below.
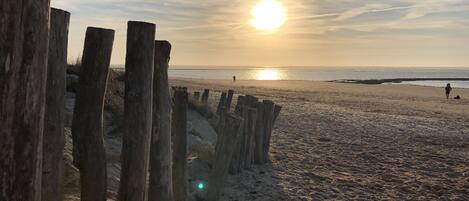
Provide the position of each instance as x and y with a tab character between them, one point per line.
206	31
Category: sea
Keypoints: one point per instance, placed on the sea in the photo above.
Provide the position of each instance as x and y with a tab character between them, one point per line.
327	74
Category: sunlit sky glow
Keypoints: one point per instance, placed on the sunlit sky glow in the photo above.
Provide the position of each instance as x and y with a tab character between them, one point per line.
315	32
268	15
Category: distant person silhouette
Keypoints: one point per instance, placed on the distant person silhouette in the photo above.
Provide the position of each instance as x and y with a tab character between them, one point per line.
234	78
448	90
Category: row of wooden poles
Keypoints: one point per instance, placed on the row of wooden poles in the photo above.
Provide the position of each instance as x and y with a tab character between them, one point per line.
243	136
33	60
253	143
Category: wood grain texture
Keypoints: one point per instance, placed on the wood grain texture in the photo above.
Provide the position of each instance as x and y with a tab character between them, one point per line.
229	100
161	178
24	30
87	124
179	129
268	126
137	110
224	152
259	135
222	102
54	140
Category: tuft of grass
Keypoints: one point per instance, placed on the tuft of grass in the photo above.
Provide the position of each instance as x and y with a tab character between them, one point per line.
202	108
114	100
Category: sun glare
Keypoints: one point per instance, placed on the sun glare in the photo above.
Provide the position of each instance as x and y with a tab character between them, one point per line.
268	15
267	74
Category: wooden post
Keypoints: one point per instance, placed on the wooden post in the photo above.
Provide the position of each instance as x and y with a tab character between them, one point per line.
229	99
259	135
243	138
222	102
277	110
224	152
205	96
235	162
87	125
236	158
251	101
137	110
161	178
54	140
239	104
268	124
196	95
179	129
221	121
24	31
250	127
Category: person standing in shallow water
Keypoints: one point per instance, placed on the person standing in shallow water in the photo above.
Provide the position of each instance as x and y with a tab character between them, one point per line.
234	78
448	90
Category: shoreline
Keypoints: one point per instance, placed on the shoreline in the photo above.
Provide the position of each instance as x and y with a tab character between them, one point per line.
395	80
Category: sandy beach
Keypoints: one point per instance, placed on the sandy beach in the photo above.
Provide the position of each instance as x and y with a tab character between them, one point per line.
336	141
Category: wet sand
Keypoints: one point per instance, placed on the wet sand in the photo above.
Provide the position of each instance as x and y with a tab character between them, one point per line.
337	141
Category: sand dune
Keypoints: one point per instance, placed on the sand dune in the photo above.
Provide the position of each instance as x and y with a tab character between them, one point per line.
338	141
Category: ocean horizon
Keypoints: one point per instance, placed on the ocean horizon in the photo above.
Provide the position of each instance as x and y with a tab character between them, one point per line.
317	73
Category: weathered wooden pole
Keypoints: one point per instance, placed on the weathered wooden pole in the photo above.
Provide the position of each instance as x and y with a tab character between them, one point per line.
224	152
87	124
229	99
234	166
161	178
205	96
243	139
221	122
251	101
222	102
179	129
277	110
24	30
196	95
259	135
250	127
53	142
268	125
239	104
236	156
137	110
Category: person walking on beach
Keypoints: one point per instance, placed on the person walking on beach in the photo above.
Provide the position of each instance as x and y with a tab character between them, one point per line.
448	90
234	78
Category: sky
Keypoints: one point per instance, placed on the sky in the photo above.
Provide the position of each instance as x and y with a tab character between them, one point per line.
401	33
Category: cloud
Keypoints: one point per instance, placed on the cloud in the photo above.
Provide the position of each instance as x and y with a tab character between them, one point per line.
196	26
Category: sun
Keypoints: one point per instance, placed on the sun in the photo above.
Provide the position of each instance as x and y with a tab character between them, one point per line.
268	15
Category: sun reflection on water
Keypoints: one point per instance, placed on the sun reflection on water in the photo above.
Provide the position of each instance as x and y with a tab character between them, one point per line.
267	74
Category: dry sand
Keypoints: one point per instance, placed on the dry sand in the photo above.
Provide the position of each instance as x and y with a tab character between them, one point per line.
338	141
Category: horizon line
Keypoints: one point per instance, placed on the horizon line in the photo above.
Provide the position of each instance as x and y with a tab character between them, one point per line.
210	67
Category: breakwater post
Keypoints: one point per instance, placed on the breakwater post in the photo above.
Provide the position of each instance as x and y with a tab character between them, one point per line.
54	139
87	126
205	96
137	110
223	154
229	100
222	102
24	32
179	130
161	178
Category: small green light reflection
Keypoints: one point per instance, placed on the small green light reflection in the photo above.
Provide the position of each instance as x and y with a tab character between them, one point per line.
201	186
